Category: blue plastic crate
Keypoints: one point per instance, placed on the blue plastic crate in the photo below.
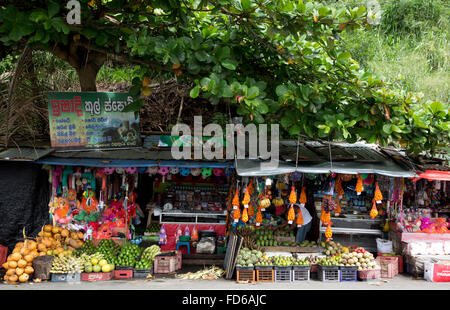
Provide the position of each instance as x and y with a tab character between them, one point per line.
348	274
66	277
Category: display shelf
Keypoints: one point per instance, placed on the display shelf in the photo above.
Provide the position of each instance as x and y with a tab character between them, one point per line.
217	217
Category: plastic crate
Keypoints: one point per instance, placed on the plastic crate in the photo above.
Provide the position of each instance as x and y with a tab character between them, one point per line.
400	260
348	274
123	274
142	273
165	264
328	273
245	274
283	273
264	274
369	274
301	273
3	255
96	276
66	277
389	266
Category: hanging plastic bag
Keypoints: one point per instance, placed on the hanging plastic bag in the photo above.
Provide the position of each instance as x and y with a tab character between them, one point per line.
178	233
194	236
187	232
384	246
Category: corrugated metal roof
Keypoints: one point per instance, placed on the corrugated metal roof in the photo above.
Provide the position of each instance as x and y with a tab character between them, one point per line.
24	154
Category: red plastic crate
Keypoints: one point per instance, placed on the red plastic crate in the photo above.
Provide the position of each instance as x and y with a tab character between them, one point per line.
123	274
96	276
165	264
369	274
400	260
389	266
3	254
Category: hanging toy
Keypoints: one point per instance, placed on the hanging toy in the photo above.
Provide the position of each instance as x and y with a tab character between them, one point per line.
194	236
369	180
196	172
162	235
120	170
373	212
152	170
174	170
89	203
246	199
302	199
187	231
109	171
359	185
218	172
378	195
163	171
57	172
185	171
67	171
328	233
235	201
236	215
74	203
258	218
245	216
178	233
206	172
62	211
131	170
299	218
100	173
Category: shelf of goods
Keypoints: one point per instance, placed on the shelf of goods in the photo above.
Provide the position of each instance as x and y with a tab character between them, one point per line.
291	249
180	217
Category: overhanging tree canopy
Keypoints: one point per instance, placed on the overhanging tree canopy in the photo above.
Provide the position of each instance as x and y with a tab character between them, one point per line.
277	61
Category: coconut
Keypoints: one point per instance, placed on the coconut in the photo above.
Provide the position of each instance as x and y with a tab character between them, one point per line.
21	263
24	278
12	264
19	271
28	258
11	272
13	278
16	256
29	270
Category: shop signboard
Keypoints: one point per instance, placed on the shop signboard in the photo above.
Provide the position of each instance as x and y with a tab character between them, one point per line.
92	120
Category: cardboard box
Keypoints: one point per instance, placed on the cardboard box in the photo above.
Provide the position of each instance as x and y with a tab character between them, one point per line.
437	272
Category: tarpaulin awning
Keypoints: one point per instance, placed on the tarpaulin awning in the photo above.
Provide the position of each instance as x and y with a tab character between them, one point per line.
247	167
434	175
101	162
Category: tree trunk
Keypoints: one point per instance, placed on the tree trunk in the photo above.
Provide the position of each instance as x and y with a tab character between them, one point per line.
87	76
86	62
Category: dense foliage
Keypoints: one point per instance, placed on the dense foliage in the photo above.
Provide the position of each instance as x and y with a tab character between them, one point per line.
277	61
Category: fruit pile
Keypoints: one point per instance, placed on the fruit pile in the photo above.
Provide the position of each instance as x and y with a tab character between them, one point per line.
332	248
150	252
96	263
53	238
128	255
87	248
360	258
248	258
301	262
265	261
307	243
283	260
265	237
144	264
330	261
108	248
66	264
19	263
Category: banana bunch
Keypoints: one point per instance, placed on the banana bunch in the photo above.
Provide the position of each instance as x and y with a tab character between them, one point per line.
67	264
150	252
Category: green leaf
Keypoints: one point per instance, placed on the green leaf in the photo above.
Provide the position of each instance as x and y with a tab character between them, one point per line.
15	34
344	55
253	92
387	128
201	56
223	52
195	91
281	90
294	130
89	33
245	4
262	108
53	8
436	107
229	65
286	121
